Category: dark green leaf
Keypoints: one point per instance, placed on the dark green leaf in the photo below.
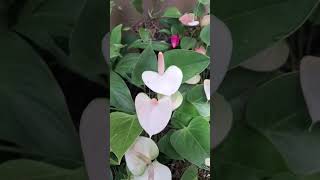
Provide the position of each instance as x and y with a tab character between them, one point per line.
172	12
166	148
124	129
188	43
120	96
205	35
190	174
147	62
190	62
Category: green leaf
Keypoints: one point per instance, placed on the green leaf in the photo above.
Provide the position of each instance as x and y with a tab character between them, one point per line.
278	111
124	129
29	169
120	96
205	35
115	37
190	174
190	62
144	34
85	44
183	115
247	22
138	5
196	96
188	43
156	45
199	10
166	148
34	113
172	12
193	142
204	1
126	64
147	62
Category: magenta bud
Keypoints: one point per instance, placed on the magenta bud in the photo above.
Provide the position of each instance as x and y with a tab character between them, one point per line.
175	40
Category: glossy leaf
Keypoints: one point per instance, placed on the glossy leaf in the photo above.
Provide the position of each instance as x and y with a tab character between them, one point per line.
120	96
124	129
190	62
193	141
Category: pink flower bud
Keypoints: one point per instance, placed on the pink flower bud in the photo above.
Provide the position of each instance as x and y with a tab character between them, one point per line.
188	20
175	40
201	50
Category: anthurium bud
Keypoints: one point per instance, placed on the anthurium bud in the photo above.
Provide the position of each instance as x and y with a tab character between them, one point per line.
194	80
201	50
175	40
176	99
140	155
188	20
206	85
155	171
205	20
153	114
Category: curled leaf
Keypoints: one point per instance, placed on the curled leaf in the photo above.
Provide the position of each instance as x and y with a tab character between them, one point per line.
194	80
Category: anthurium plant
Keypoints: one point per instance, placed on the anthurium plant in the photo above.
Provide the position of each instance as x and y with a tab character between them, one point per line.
160	96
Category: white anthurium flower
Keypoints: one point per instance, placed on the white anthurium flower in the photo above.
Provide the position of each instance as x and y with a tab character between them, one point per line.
206	85
188	19
163	82
176	99
207	161
194	80
155	171
153	114
140	155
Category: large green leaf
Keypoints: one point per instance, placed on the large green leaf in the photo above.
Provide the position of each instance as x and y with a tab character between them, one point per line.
172	12
193	141
197	97
166	148
205	35
124	129
190	174
120	96
190	62
126	64
33	111
85	45
147	62
278	111
34	170
256	25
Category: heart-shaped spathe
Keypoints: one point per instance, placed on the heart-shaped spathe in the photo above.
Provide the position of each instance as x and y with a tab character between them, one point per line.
167	83
153	114
140	155
206	85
